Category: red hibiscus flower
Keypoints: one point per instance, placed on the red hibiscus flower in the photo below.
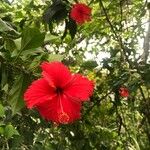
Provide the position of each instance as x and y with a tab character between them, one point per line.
124	92
80	13
58	94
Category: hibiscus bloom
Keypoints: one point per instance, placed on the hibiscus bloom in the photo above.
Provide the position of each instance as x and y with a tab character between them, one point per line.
58	94
124	92
80	13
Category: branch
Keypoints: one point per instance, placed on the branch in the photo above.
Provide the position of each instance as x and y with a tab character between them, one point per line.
146	45
98	102
116	37
90	2
147	105
109	22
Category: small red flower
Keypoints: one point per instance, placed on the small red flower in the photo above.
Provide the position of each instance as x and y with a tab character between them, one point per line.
124	92
58	94
80	13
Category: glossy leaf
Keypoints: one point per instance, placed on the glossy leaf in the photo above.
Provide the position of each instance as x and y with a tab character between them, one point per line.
16	93
10	131
31	38
57	11
2	111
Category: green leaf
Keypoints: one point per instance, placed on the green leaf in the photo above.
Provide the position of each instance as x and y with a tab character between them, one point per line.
10	45
4	75
31	52
5	88
18	43
90	64
55	57
10	131
1	130
4	26
57	11
51	38
137	147
2	111
72	26
36	62
16	93
31	38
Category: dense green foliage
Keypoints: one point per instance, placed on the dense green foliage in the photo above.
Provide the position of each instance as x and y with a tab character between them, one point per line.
32	31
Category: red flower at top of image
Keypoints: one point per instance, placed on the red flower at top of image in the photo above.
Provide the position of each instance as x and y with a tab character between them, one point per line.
80	13
58	94
124	92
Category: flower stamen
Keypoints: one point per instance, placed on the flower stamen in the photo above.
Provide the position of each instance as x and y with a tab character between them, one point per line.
59	90
63	118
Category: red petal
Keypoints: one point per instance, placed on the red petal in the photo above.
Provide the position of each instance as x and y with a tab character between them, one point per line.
124	92
60	110
71	108
79	88
48	110
38	92
56	73
80	13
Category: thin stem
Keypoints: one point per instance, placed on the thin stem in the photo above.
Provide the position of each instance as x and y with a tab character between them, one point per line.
90	2
109	22
97	102
61	107
116	37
